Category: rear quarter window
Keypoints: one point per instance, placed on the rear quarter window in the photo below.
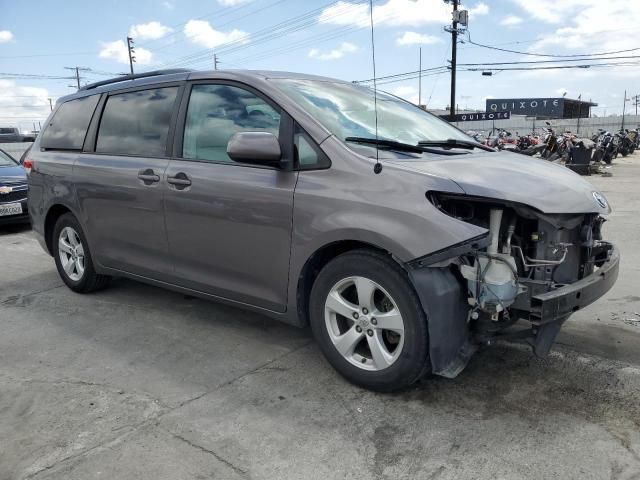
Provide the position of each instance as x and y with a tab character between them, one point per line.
68	127
137	123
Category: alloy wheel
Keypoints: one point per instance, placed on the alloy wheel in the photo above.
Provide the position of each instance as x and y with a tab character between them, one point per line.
71	253
364	323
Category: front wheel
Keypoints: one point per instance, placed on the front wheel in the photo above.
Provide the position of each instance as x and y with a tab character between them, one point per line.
73	258
368	321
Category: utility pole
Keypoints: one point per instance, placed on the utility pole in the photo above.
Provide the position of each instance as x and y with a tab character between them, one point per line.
624	107
77	71
215	61
454	52
458	18
132	57
420	79
579	114
636	101
50	104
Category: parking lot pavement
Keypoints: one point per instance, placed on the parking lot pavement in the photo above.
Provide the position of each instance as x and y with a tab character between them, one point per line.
138	382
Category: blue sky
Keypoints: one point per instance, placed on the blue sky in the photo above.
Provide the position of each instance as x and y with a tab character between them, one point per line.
319	36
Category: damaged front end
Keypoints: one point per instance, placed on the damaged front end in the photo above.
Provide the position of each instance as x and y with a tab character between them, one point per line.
520	281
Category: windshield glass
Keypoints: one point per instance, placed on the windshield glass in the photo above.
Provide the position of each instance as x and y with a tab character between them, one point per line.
347	110
6	160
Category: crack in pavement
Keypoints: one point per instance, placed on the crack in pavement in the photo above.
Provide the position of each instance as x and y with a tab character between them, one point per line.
156	421
235	468
106	444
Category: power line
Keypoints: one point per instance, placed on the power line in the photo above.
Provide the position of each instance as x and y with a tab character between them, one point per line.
176	27
286	27
492	47
33	76
47	55
524	62
414	72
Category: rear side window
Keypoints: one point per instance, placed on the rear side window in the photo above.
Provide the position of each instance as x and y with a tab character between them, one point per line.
68	127
137	123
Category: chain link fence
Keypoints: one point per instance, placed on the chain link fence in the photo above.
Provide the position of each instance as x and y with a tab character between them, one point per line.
586	127
15	149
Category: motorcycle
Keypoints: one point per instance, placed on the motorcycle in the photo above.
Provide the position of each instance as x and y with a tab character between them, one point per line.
606	146
626	141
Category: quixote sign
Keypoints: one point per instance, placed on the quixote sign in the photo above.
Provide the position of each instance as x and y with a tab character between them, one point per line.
474	117
543	107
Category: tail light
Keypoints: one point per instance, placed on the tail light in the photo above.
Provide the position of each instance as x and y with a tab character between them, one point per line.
28	164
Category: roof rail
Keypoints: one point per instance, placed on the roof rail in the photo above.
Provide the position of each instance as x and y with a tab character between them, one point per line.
135	76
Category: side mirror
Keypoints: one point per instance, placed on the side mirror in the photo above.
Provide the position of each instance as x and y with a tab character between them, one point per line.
259	148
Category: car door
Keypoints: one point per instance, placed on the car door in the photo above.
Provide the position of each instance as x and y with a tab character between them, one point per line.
120	185
229	224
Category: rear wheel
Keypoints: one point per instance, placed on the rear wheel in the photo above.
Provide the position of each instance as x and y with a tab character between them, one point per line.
369	322
73	258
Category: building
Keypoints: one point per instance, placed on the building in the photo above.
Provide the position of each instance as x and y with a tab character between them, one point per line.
542	107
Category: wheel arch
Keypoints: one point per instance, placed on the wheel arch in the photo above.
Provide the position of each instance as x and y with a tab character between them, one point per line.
316	261
53	214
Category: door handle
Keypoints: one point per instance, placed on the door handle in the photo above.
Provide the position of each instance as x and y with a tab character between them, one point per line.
180	180
148	176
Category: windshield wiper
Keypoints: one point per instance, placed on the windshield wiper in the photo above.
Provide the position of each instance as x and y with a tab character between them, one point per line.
405	147
454	143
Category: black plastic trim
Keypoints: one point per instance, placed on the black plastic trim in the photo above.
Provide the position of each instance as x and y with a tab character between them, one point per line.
462	248
556	304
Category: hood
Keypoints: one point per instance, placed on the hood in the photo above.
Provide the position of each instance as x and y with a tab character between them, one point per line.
12	175
548	187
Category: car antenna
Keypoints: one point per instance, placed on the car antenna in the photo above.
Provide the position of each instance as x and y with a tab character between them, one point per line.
377	168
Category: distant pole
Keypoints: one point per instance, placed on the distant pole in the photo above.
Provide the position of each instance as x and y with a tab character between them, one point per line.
454	52
132	57
39	125
579	113
215	61
51	105
624	107
420	78
77	71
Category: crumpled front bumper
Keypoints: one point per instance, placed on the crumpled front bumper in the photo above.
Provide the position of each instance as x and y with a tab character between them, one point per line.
561	302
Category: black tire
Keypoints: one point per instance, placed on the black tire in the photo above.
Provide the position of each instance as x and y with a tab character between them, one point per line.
412	362
90	281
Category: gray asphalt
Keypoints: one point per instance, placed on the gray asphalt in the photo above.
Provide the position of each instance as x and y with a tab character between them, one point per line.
137	382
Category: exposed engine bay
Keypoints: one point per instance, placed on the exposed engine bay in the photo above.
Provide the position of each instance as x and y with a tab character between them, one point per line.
533	269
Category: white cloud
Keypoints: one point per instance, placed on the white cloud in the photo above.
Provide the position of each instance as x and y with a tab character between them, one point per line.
118	51
232	3
5	36
552	11
479	9
336	53
29	103
511	21
561	91
149	31
394	13
414	38
168	5
586	25
201	33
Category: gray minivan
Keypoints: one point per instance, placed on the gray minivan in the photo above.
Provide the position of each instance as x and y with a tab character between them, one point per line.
401	241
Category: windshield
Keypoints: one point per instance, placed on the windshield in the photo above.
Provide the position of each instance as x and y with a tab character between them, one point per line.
4	131
6	160
347	110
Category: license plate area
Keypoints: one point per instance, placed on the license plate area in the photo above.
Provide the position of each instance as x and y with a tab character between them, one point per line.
10	209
